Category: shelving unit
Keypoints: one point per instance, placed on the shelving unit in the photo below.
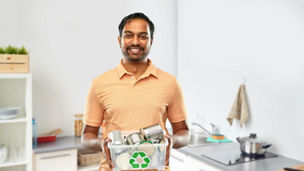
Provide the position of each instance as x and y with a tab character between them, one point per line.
16	133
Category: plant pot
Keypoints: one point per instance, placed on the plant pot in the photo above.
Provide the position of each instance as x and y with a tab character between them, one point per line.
14	63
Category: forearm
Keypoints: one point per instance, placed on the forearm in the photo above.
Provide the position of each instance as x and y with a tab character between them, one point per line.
180	138
91	141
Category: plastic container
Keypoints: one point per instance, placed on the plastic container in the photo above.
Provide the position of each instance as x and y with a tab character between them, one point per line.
46	139
34	136
140	156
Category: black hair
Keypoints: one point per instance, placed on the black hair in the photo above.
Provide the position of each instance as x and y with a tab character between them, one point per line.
134	16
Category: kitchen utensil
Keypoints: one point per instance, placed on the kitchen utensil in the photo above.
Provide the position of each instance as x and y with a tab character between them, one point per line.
135	138
154	132
3	153
252	146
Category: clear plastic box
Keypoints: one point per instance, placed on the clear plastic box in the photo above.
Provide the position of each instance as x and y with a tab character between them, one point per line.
139	157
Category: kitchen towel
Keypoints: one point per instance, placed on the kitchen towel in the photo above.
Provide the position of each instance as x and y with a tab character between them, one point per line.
239	110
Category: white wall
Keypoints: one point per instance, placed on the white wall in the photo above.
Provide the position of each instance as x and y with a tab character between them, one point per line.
221	42
73	41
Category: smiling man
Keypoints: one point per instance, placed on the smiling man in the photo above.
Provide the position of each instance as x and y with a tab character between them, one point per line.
135	94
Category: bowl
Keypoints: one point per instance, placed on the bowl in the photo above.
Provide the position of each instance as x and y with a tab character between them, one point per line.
8	113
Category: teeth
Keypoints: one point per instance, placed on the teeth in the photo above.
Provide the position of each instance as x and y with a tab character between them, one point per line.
134	50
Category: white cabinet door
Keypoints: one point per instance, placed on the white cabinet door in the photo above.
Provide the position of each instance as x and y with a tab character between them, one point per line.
56	161
197	165
178	161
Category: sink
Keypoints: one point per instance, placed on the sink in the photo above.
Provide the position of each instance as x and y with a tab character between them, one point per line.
199	139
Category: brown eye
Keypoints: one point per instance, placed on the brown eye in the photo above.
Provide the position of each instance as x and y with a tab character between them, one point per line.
128	36
144	37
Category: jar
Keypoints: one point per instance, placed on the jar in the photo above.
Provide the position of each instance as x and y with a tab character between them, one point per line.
78	124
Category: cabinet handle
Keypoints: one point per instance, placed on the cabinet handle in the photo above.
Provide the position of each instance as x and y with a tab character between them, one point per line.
56	156
179	159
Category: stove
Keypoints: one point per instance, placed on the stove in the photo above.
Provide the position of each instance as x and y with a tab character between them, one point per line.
234	156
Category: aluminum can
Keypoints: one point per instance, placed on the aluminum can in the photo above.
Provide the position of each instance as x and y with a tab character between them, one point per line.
135	138
153	133
116	137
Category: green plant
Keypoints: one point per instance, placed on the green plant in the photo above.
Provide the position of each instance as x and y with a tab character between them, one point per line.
22	50
13	50
1	50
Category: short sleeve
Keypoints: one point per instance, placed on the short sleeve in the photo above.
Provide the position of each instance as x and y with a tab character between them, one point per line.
93	115
176	108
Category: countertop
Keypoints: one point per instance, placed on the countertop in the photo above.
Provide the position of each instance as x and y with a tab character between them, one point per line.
270	164
61	143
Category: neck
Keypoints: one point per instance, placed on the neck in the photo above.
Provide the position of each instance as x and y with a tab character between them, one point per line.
137	68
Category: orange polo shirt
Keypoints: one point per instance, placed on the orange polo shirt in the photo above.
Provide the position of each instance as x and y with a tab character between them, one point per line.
118	101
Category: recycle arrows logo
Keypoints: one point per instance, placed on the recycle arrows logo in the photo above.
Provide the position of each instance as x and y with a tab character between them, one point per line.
139	159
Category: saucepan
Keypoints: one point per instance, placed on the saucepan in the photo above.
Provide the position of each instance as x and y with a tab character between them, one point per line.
253	146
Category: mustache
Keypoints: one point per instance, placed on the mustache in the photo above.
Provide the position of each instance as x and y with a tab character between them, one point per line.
135	46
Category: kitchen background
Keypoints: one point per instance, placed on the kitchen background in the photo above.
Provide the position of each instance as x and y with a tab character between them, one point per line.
211	46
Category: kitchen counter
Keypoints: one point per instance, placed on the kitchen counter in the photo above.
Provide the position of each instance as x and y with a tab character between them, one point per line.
61	143
269	164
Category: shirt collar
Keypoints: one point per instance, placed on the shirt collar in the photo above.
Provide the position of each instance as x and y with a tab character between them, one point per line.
151	69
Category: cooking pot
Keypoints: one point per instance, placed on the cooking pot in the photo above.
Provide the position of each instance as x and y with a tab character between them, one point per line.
252	146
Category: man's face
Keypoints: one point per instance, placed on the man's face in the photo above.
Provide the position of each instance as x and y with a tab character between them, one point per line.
135	41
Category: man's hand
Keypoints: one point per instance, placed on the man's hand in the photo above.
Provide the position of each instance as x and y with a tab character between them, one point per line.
106	150
89	139
168	149
180	138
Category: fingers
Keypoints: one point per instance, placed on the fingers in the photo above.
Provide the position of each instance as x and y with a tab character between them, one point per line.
106	151
168	149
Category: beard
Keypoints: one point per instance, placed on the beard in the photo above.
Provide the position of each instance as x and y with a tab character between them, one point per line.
137	59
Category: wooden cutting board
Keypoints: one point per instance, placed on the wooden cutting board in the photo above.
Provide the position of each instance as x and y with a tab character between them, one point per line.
295	167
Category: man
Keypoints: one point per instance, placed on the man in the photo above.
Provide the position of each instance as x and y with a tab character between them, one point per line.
135	94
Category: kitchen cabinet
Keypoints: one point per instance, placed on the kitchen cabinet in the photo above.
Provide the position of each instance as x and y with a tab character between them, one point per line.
59	161
198	165
178	160
181	161
16	133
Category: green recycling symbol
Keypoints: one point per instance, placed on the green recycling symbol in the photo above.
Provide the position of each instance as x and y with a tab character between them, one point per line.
139	159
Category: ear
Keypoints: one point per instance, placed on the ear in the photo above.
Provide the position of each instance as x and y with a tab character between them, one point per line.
119	41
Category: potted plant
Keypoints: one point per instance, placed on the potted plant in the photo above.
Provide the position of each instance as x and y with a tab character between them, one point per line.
14	59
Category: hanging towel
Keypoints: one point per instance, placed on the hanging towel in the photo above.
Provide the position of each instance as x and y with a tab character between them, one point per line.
239	109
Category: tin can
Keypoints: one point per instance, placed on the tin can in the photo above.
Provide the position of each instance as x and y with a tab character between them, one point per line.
116	137
153	133
135	138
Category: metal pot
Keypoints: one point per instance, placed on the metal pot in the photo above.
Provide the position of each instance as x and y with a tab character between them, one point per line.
252	146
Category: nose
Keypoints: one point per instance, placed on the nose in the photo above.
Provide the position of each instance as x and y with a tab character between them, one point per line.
135	40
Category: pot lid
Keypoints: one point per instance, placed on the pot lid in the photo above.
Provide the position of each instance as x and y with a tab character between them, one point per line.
252	138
